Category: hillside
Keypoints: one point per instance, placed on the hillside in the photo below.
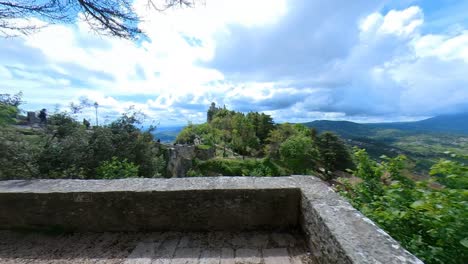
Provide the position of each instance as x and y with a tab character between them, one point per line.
453	124
456	123
167	134
424	142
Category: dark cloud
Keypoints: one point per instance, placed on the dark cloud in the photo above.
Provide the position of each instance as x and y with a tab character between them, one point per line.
357	72
189	102
79	72
14	50
277	101
310	37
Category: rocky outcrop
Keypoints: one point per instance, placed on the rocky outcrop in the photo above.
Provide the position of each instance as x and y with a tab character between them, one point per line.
181	158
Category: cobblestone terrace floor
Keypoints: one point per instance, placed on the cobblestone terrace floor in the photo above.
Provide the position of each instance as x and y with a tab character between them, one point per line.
152	248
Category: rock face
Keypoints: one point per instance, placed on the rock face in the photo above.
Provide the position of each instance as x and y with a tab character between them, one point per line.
335	231
205	154
181	158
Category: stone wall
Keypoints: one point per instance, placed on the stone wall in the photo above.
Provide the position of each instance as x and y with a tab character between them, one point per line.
188	210
336	232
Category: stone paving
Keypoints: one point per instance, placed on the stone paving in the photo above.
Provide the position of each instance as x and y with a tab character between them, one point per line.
154	248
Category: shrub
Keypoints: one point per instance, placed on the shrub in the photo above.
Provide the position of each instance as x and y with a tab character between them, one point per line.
115	169
430	223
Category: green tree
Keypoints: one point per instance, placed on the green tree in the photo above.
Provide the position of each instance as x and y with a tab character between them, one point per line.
18	154
298	153
277	136
451	174
333	153
244	139
263	124
429	222
9	108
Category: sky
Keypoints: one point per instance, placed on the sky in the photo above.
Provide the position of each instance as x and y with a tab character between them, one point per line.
297	60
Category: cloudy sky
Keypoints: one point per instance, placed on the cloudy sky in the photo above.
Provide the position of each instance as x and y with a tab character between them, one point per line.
298	60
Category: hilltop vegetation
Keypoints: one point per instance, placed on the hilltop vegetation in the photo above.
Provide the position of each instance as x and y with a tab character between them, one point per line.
422	144
281	149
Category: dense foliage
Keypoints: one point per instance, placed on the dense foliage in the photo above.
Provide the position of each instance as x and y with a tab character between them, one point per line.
237	167
116	169
294	147
428	219
423	147
65	148
9	108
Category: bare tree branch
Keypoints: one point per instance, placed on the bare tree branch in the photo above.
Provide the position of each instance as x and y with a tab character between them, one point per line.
110	17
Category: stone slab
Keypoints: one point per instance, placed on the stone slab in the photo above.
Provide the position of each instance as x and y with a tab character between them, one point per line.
138	248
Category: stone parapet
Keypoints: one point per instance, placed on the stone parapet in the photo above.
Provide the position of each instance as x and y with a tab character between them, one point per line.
335	231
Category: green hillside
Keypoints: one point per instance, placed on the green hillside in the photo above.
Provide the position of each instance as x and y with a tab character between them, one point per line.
424	142
455	123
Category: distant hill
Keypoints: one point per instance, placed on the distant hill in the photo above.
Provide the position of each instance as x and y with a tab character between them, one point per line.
167	134
455	124
424	141
345	129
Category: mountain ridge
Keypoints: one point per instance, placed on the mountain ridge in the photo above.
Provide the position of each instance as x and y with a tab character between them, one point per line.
453	124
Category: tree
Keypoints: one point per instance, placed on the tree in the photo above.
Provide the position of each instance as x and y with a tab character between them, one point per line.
18	154
282	132
7	114
263	125
243	135
333	152
299	153
9	107
112	17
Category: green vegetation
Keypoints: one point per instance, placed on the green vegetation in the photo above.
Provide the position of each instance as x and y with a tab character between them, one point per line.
251	144
115	169
423	147
9	108
65	148
426	214
428	219
237	167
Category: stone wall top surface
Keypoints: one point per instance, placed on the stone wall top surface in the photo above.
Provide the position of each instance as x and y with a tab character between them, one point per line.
146	184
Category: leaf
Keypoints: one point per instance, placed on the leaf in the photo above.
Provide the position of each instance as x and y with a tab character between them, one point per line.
417	204
464	242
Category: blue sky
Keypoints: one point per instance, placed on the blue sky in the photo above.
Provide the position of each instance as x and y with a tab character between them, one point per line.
298	60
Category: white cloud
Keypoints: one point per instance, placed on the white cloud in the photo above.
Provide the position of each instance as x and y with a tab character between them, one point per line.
402	22
444	47
296	59
161	68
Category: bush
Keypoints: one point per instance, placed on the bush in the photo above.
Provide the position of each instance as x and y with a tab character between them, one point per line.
430	223
115	169
239	167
